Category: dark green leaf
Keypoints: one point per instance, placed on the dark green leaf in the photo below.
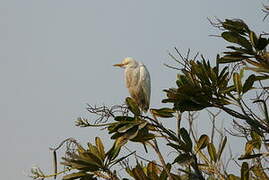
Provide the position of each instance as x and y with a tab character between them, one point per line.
242	50
253	38
236	25
163	175
163	112
249	147
116	135
257	139
152	170
131	133
259	171
80	163
94	153
244	171
145	138
96	160
183	159
114	152
230	36
202	142
249	83
100	147
125	128
232	177
123	118
236	38
231	59
139	173
132	106
186	138
237	82
75	175
262	43
212	152
115	126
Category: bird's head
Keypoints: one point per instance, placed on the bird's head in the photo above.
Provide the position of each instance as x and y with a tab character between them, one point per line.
127	62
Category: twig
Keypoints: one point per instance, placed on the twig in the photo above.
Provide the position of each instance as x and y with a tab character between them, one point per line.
156	149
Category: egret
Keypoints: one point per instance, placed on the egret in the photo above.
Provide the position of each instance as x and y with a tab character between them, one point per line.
137	80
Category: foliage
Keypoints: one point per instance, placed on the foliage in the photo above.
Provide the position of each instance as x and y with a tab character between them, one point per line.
242	71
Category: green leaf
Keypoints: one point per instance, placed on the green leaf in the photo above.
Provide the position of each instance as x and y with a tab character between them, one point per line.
123	118
75	175
249	83
186	138
181	146
258	170
113	127
152	170
202	142
183	159
253	38
116	135
143	136
244	171
242	50
230	36
100	147
212	152
95	159
256	138
119	142
95	154
237	82
132	106
80	163
236	25
262	43
163	175
232	177
131	133
114	152
231	59
139	173
236	38
125	128
249	147
222	147
163	112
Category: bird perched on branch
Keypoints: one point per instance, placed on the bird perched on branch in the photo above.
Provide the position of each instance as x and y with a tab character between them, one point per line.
137	80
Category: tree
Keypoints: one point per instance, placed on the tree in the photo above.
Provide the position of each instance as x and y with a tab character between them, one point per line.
240	73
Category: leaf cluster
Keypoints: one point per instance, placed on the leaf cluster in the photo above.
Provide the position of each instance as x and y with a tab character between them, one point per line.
200	86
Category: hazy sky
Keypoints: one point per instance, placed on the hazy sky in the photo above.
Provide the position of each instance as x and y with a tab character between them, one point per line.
57	55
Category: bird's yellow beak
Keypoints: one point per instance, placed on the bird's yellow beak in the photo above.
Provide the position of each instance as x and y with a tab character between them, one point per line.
118	65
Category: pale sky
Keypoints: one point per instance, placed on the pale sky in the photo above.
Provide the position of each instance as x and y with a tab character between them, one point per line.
57	55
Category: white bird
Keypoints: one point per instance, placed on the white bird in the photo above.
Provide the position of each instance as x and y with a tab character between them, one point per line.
137	80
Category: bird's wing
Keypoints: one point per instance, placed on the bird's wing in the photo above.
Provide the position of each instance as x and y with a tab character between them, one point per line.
145	82
132	77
